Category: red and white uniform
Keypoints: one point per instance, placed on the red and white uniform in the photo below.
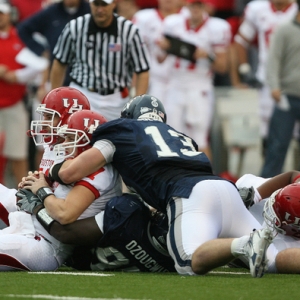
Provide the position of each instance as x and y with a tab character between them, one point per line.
26	245
7	196
260	19
281	241
150	23
190	99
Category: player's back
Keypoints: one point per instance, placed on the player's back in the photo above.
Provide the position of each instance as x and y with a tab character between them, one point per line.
154	159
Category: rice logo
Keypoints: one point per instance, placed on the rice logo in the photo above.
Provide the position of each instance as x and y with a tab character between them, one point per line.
144	110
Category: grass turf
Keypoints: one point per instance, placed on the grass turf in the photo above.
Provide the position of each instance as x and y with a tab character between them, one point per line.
224	285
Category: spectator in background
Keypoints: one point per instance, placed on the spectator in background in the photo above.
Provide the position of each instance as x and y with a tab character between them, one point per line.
49	23
104	54
260	19
150	23
17	67
40	33
23	9
283	77
190	97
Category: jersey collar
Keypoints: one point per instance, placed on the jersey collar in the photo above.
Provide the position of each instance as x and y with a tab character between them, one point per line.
112	29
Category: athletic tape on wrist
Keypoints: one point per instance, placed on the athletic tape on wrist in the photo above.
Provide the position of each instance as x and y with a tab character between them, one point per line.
53	173
45	220
43	192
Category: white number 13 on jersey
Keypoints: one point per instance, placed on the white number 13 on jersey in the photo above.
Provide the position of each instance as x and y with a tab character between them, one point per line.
165	150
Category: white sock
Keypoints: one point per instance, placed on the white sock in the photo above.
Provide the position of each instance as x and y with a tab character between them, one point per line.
238	244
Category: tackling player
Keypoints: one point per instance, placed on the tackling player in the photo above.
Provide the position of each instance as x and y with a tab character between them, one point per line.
164	168
127	236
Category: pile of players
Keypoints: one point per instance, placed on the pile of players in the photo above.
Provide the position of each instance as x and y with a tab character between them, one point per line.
180	217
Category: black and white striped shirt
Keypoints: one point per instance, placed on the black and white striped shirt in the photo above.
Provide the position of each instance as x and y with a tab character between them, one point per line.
102	58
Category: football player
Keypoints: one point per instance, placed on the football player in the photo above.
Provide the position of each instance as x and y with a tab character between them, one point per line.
275	204
189	98
163	166
82	199
150	23
127	236
54	111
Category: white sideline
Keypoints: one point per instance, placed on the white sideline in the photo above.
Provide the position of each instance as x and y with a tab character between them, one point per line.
52	297
72	273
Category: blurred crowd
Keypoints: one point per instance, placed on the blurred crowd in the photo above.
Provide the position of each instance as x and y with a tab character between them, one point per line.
234	62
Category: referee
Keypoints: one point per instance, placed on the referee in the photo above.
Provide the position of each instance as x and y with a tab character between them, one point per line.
104	50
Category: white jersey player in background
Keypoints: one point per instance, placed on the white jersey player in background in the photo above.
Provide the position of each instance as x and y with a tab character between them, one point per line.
25	244
260	19
149	21
190	96
54	111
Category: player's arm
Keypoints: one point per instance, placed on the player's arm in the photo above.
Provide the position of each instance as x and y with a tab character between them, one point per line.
278	182
142	83
85	232
242	40
57	74
83	165
66	210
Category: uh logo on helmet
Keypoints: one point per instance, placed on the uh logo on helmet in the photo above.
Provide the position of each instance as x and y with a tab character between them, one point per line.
144	107
282	210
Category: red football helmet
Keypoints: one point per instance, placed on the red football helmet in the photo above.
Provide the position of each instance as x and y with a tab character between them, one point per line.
61	102
78	132
282	210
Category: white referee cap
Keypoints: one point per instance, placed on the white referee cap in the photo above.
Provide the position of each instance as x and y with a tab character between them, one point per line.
5	8
106	1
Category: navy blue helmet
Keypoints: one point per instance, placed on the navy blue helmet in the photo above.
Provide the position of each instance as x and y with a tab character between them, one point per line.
145	107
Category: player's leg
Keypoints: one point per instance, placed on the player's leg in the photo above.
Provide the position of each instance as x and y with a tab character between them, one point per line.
16	140
7	204
200	107
280	135
175	108
288	261
265	108
197	222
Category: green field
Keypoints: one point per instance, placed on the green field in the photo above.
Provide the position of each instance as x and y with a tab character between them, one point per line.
224	283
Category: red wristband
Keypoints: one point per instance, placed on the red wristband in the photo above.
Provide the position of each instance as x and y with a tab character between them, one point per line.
297	177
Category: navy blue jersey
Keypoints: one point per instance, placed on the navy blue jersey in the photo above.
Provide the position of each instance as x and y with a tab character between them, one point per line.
155	160
133	240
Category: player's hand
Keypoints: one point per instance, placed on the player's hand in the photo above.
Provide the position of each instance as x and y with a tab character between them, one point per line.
33	183
27	201
247	195
30	173
163	44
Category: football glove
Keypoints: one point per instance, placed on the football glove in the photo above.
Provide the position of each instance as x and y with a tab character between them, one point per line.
247	195
27	201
